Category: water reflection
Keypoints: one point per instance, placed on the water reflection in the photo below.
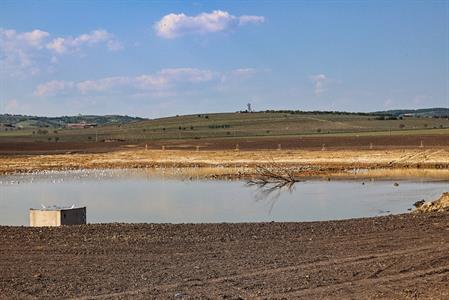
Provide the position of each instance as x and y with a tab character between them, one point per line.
141	196
270	182
270	192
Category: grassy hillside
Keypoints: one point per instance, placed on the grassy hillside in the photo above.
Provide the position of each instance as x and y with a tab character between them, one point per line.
426	112
22	121
239	125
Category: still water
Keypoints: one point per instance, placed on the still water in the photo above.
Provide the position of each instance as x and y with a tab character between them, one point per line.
142	196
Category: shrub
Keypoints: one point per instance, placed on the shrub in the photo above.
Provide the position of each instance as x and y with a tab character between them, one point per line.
214	126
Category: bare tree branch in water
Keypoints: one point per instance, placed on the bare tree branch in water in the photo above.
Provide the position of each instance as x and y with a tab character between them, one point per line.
271	181
276	177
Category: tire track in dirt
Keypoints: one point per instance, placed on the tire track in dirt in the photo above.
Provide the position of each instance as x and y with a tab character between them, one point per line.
302	267
431	272
422	156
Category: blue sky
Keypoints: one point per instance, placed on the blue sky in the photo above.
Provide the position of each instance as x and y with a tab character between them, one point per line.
159	58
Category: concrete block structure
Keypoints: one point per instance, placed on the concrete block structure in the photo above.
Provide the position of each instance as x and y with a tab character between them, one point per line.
57	216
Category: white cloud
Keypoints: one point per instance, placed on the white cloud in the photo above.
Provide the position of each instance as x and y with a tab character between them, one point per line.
176	25
102	85
53	87
62	45
58	45
162	82
35	38
320	81
17	50
26	53
9	38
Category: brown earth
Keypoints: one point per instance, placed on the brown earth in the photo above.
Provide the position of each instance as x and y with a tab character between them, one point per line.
392	257
12	146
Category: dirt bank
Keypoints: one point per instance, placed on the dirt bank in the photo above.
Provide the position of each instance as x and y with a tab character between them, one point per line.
382	163
393	257
439	205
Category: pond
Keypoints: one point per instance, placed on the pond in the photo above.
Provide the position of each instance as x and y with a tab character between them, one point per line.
151	197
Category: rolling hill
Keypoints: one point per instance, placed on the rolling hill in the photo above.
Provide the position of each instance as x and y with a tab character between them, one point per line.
425	112
23	121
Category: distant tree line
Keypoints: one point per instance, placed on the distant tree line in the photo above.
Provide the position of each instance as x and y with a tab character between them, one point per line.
379	115
313	112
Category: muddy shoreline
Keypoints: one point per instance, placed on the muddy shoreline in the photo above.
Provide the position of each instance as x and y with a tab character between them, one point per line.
392	257
412	163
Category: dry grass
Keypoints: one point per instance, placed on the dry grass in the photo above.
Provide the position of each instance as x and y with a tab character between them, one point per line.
432	163
437	174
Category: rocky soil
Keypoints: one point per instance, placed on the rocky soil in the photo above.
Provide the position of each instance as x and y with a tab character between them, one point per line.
439	205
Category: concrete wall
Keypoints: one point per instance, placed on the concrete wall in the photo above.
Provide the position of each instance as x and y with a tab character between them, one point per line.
45	217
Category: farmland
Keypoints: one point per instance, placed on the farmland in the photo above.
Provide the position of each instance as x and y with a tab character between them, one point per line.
266	129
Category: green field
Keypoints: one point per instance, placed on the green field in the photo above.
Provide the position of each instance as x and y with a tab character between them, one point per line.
238	125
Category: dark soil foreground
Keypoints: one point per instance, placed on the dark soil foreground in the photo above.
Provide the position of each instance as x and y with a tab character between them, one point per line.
394	257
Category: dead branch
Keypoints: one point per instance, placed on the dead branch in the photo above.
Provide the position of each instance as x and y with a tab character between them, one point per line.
274	176
271	181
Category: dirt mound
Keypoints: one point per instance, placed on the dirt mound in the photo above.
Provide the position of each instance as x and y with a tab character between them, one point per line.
439	205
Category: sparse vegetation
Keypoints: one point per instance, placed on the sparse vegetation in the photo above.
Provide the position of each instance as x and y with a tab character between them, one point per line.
255	124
